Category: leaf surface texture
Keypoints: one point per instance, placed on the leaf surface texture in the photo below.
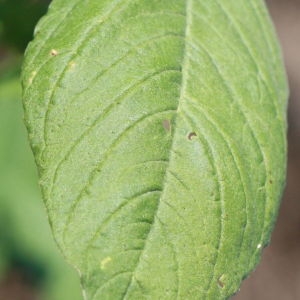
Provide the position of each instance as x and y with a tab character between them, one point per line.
159	131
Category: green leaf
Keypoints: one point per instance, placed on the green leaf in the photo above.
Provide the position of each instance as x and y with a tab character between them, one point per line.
159	131
25	236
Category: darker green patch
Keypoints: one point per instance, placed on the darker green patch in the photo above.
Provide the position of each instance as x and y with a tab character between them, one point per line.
17	21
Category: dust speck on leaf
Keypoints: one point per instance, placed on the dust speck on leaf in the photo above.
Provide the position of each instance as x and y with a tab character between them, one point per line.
192	135
54	52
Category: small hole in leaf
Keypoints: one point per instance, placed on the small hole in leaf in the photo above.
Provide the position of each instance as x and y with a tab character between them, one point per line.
192	135
167	125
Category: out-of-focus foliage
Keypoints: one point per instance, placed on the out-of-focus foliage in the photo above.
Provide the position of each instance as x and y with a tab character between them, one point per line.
26	243
25	238
17	20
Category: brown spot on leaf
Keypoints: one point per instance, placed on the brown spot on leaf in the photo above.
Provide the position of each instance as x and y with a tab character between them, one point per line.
167	125
192	135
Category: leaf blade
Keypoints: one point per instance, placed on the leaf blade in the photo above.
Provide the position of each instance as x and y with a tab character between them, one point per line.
157	64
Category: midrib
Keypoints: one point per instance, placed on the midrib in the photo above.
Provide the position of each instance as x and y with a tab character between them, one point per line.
185	62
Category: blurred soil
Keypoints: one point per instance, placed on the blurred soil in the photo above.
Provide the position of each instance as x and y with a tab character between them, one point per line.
16	286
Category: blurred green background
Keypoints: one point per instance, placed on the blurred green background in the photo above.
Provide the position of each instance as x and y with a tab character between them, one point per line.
31	267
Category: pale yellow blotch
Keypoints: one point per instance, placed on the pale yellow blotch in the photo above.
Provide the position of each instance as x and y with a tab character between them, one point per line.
259	246
222	281
30	80
104	262
72	64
